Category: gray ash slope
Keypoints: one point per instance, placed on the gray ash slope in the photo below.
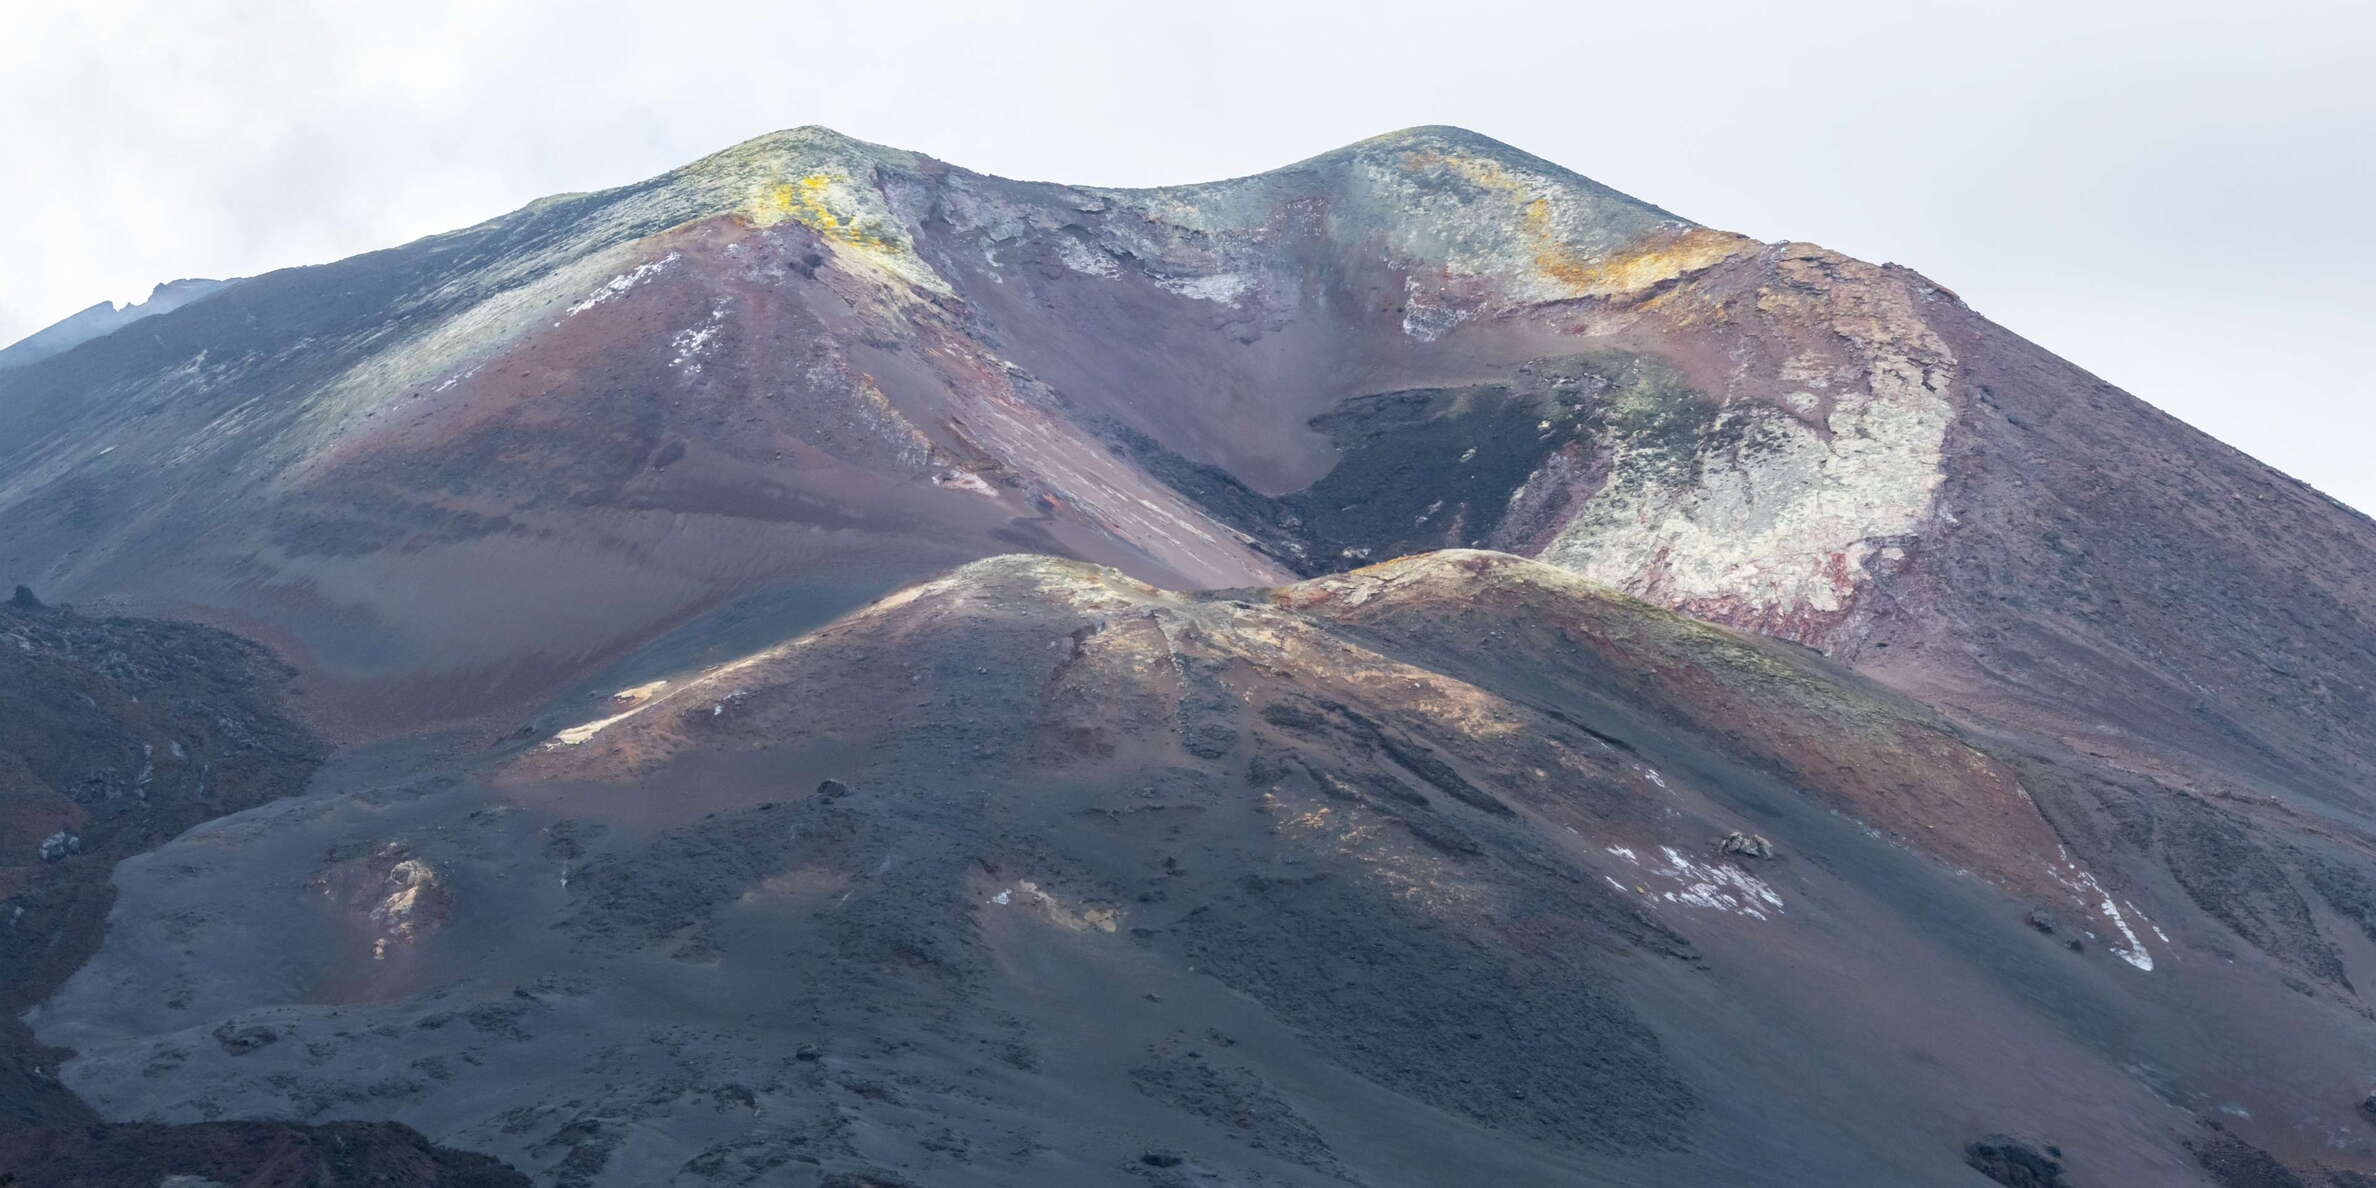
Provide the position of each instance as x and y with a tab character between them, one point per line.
115	735
103	319
1037	874
2106	682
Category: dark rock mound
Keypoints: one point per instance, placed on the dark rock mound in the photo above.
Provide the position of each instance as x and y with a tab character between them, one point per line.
2014	1163
115	735
2234	1163
245	1155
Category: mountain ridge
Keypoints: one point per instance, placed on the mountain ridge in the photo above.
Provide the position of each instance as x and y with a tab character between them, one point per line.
1230	340
1463	674
104	318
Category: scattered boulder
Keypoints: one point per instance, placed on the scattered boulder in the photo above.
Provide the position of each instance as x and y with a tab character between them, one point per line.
1745	845
23	599
239	1041
2048	924
832	790
2234	1163
61	844
2368	1105
2014	1163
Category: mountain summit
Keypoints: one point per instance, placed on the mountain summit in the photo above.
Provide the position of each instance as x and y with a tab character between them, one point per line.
1463	673
807	350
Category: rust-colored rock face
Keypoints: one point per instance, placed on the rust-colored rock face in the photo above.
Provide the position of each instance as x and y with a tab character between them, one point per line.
1412	667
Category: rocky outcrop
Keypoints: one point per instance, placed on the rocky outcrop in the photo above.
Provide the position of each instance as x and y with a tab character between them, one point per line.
126	732
2014	1163
1744	845
243	1155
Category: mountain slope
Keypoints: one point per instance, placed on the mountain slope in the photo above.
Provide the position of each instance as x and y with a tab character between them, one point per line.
756	370
2033	814
1359	880
103	319
115	735
808	358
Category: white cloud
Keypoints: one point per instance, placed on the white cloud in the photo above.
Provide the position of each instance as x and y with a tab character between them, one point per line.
2171	194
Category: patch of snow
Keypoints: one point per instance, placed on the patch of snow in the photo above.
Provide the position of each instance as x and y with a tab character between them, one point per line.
2084	883
1222	288
965	480
451	380
694	343
618	285
1719	886
1716	886
638	698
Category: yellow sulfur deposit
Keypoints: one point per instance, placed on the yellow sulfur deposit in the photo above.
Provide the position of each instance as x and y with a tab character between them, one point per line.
806	202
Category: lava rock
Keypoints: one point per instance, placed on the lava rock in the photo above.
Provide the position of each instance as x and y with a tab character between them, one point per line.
239	1041
1745	845
59	845
2014	1163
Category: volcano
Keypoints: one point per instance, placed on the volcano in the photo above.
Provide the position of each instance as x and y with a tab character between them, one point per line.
1409	668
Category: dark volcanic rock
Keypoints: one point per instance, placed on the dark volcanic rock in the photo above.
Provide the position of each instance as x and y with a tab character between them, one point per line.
2014	1163
1447	904
2234	1163
244	1155
1744	845
131	731
115	734
239	1041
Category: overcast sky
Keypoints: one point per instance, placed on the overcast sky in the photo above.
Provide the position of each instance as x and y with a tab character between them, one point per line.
2174	194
